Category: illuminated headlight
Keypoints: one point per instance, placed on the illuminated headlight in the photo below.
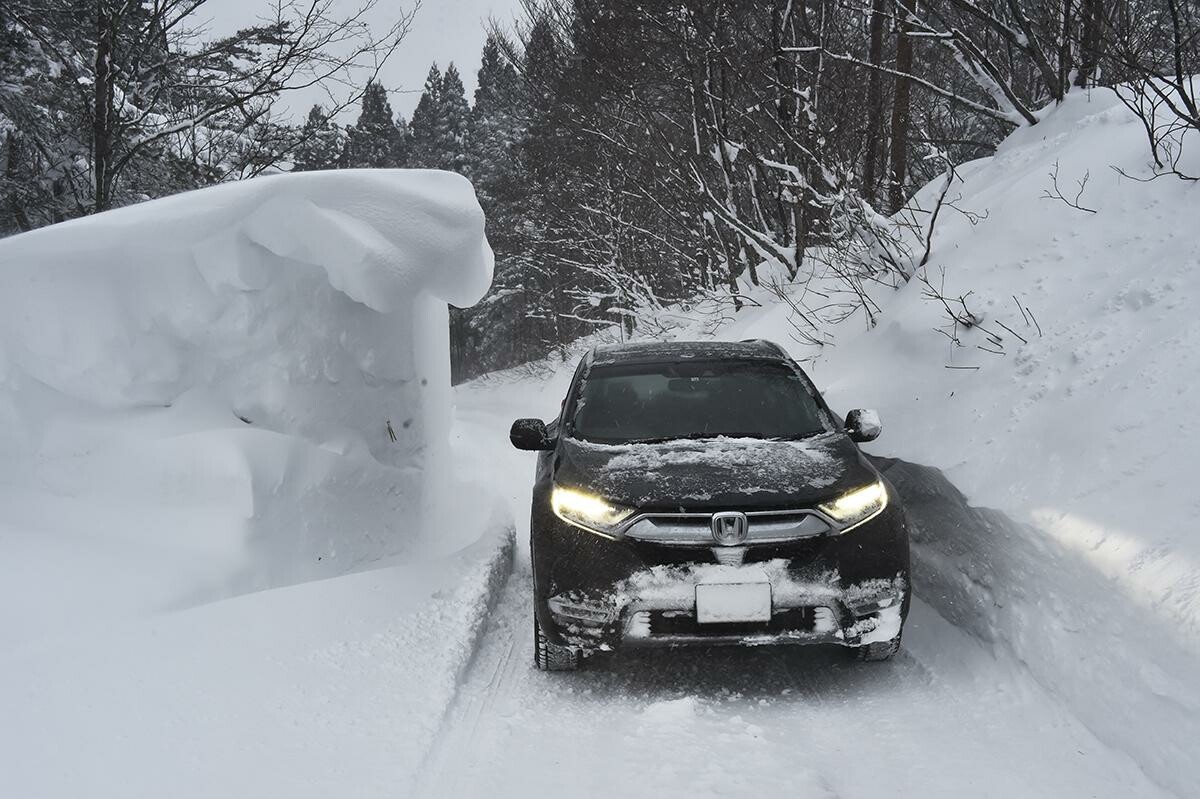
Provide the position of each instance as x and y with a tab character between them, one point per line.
588	511
857	506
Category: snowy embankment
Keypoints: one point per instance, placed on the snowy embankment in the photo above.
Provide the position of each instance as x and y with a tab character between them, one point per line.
220	410
320	689
1082	435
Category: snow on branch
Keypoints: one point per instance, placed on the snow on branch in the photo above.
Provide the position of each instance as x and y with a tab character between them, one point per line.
999	115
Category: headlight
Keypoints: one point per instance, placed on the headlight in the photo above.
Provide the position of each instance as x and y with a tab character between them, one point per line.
588	511
857	506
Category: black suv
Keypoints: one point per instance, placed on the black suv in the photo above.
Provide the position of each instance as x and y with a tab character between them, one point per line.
704	493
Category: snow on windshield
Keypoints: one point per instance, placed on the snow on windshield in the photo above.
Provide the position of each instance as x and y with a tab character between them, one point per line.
702	469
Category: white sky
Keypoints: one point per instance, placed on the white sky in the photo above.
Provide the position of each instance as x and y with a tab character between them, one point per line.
443	31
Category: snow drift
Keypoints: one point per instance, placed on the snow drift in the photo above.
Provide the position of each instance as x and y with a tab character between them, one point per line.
1063	532
227	390
1079	425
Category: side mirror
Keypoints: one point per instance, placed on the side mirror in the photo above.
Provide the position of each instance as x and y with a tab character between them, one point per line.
530	434
863	425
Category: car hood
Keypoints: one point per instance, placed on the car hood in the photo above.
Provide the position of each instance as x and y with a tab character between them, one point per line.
728	473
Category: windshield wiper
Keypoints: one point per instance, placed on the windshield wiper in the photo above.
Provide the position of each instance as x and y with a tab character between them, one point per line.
799	436
740	434
664	439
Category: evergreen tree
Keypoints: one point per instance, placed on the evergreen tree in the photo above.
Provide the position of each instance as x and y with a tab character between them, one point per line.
454	123
444	146
424	125
441	123
403	142
375	140
546	164
496	332
495	127
322	143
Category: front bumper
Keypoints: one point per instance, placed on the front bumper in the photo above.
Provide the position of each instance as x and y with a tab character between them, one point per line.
658	607
596	594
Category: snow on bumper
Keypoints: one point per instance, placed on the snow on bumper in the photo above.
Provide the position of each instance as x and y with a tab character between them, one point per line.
658	606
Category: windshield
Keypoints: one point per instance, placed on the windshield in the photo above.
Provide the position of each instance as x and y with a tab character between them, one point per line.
623	404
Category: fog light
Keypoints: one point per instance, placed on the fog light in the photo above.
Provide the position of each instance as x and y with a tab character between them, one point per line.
824	620
581	611
638	625
873	606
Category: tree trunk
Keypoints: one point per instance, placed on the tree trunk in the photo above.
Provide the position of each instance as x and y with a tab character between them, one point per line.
871	144
13	145
1065	61
1089	41
898	166
793	204
102	109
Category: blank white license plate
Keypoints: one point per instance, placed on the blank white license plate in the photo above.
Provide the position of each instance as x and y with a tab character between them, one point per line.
718	603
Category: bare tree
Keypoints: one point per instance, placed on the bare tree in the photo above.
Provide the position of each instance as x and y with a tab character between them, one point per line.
872	143
1157	56
901	105
150	79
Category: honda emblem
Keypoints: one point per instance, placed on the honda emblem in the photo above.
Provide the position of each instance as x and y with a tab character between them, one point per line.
729	528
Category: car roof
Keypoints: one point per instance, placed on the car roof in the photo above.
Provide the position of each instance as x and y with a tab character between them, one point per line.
660	351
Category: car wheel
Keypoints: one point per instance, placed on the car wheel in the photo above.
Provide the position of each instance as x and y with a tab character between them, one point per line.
548	656
877	651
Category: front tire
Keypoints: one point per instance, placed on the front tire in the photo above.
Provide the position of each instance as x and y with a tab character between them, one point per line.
548	656
878	651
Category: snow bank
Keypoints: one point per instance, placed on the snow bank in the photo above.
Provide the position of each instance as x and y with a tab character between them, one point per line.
330	688
227	390
1083	434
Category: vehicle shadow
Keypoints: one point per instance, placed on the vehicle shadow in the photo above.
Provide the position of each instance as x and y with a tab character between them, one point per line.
746	673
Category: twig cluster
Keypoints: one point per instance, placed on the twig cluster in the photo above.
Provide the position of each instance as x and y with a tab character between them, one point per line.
1055	193
960	318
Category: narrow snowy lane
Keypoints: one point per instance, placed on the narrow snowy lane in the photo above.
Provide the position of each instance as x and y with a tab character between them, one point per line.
945	720
949	718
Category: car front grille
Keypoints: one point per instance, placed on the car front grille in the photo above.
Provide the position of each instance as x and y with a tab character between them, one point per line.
654	554
677	623
695	529
801	553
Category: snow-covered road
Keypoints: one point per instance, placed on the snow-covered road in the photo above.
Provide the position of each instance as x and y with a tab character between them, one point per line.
947	719
951	717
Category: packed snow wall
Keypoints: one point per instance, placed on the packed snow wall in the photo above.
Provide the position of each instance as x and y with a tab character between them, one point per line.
251	380
1065	414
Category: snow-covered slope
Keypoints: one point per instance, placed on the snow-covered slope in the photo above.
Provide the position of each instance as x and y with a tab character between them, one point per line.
1067	417
1081	425
203	397
327	688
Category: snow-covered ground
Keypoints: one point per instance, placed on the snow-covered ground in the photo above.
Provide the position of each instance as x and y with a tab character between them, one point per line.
947	719
225	568
952	716
1083	433
1072	561
218	576
325	688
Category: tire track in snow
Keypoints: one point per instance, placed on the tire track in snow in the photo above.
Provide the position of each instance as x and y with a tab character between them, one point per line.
442	773
946	719
951	717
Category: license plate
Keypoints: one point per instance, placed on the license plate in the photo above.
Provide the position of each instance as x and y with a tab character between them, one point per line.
724	603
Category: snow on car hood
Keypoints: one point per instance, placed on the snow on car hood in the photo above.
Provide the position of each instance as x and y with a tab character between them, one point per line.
716	472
